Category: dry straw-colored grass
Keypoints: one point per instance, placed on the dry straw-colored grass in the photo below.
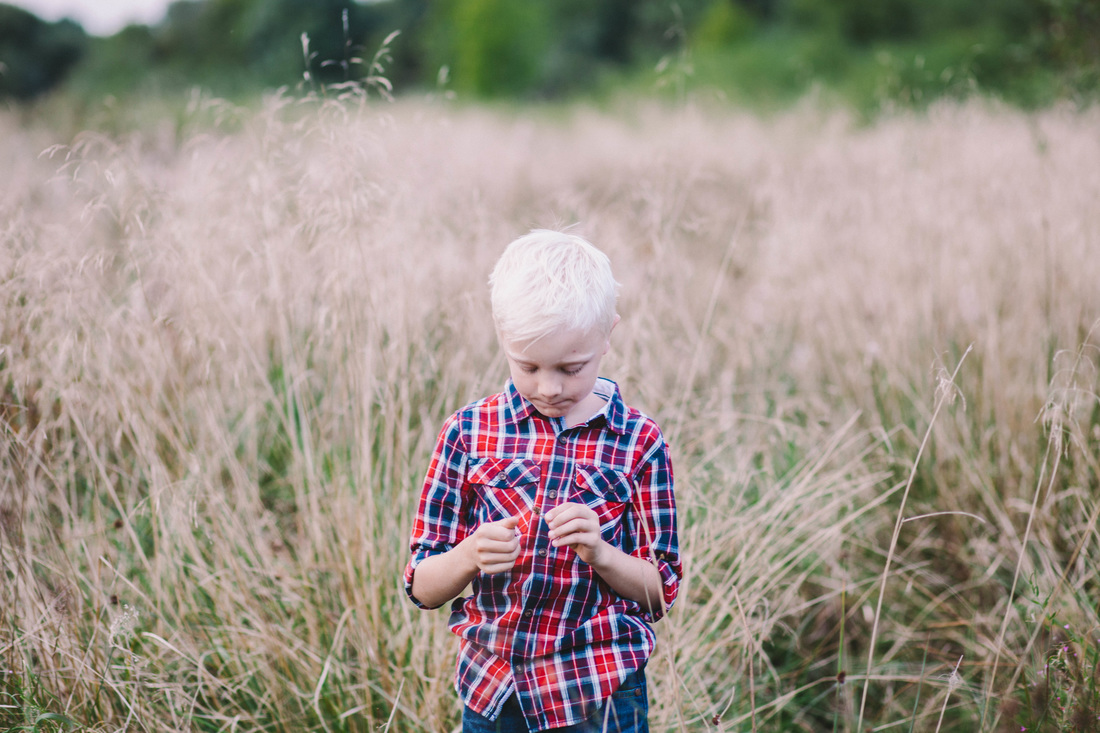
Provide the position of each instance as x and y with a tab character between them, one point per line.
225	351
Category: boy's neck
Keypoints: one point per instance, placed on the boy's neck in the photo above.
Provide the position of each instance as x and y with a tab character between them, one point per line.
585	410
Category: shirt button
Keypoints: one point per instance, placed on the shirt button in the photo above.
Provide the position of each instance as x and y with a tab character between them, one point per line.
519	668
536	511
561	438
542	553
528	613
552	494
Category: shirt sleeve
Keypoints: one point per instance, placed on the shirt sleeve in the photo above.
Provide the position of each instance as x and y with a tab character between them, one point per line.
440	519
654	505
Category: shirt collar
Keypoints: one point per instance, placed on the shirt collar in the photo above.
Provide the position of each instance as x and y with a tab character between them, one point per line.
614	410
519	409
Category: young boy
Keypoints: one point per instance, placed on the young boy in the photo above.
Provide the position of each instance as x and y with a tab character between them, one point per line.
555	500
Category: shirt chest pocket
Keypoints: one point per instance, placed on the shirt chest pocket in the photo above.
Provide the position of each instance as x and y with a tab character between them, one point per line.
503	487
606	492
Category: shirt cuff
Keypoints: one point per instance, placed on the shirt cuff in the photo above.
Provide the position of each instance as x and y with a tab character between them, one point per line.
416	559
669	569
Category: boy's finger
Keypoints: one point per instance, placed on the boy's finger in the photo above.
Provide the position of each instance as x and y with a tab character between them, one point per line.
510	522
496	559
555	515
500	534
500	543
576	525
497	531
563	514
498	568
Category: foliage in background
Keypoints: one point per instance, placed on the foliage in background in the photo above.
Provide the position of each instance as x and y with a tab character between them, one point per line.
871	55
498	45
35	56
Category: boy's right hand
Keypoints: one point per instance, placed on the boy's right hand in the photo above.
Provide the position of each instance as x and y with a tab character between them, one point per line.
496	545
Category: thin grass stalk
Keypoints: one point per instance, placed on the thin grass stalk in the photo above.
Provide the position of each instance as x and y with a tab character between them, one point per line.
704	330
942	399
1055	446
753	650
951	683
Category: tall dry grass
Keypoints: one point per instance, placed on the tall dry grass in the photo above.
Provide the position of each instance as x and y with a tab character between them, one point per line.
225	350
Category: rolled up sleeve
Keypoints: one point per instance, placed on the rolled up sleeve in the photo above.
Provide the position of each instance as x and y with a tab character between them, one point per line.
439	524
654	508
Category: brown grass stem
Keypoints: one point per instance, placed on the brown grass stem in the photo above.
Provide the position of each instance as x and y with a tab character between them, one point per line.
942	399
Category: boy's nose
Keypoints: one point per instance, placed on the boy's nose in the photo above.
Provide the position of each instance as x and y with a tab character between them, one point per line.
549	387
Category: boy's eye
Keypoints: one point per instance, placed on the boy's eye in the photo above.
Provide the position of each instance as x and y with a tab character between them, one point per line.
528	369
573	371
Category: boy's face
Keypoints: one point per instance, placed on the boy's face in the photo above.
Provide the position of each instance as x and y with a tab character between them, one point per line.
557	372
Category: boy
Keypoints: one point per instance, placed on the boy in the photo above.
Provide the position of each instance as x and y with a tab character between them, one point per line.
555	500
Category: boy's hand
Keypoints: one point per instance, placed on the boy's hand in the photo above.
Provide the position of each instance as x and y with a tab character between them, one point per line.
496	545
575	525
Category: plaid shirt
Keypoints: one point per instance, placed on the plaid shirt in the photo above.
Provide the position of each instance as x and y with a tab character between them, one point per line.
550	630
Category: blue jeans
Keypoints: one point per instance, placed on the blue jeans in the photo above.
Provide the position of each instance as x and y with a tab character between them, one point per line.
627	711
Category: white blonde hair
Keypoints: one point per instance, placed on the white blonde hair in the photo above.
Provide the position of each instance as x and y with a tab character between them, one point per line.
548	280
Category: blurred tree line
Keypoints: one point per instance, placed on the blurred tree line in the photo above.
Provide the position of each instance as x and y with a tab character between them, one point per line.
1030	51
35	55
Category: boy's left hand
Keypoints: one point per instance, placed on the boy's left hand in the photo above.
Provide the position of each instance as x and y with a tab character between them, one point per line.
575	525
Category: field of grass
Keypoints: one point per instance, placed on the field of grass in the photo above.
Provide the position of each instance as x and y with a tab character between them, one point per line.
227	342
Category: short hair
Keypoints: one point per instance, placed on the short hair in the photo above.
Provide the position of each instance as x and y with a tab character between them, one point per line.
548	280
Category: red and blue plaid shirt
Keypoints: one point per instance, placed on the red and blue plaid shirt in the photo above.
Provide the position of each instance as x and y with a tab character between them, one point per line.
550	630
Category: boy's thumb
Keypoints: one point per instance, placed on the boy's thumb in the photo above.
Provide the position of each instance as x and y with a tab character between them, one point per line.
511	522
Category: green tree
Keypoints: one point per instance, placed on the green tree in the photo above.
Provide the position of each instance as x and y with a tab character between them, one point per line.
1068	39
499	45
724	22
35	56
230	44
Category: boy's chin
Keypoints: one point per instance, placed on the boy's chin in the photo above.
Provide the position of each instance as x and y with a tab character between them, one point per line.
557	409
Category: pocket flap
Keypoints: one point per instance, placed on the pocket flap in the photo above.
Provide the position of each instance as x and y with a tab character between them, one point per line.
606	483
503	472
